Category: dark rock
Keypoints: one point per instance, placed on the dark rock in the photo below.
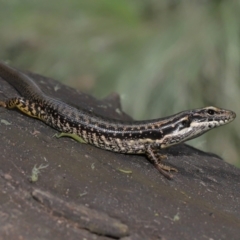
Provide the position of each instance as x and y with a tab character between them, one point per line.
86	192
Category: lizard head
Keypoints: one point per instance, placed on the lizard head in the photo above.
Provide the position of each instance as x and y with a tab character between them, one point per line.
193	123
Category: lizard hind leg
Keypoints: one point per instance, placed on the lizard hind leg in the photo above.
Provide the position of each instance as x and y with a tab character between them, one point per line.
11	103
155	157
30	108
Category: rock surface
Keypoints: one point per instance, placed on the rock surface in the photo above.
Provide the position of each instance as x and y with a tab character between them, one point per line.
88	193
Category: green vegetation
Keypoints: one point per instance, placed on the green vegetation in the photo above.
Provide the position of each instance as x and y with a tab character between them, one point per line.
160	56
36	171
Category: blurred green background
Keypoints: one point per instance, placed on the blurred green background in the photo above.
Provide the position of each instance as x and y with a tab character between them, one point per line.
162	57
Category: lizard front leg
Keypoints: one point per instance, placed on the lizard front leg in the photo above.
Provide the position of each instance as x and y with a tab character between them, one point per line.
155	157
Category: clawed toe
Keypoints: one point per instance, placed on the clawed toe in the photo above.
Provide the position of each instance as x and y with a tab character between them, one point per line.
165	170
2	104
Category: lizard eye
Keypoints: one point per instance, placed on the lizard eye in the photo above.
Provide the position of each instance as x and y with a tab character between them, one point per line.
210	111
185	123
